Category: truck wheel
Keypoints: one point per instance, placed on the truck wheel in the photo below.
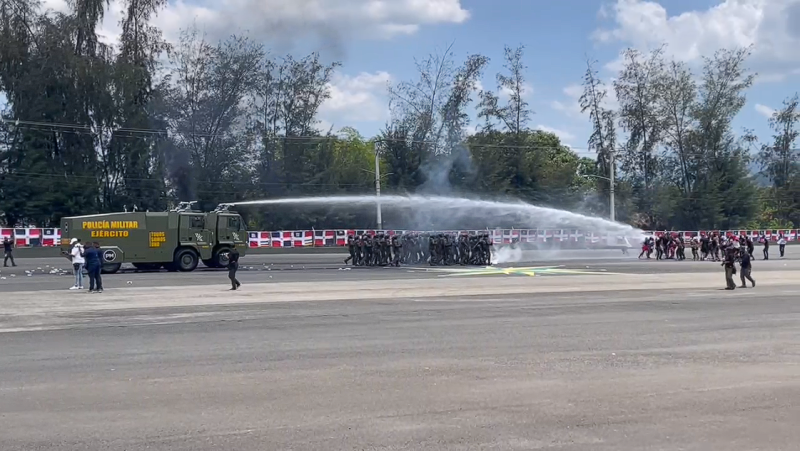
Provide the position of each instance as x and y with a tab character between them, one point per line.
110	268
186	260
221	257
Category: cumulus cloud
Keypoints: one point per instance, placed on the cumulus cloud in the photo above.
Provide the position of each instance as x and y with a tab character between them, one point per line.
771	26
328	21
764	110
361	98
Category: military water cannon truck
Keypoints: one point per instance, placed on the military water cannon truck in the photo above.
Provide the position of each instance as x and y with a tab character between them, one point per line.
177	239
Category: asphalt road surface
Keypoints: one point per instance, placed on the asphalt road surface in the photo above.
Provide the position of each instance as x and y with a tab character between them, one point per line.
569	359
55	273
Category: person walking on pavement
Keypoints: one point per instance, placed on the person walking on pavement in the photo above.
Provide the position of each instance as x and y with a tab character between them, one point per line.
94	264
766	247
8	252
782	244
78	262
730	267
233	266
746	267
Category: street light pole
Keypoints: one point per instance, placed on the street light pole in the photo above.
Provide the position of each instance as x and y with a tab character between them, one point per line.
611	187
378	187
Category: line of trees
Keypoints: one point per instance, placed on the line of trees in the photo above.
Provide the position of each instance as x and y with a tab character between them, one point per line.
90	127
682	165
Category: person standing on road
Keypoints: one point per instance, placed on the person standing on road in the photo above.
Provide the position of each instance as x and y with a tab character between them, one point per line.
730	267
233	266
782	244
8	252
78	262
94	264
746	268
766	247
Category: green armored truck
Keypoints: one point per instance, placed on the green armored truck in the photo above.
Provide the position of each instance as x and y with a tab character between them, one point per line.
177	239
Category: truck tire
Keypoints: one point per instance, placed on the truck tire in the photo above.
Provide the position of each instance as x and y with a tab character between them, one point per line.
110	268
220	258
186	260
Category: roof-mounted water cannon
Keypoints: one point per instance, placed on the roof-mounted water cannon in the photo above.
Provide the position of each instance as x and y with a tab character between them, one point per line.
186	206
224	207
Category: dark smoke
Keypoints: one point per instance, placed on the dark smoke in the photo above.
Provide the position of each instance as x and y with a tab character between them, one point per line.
179	171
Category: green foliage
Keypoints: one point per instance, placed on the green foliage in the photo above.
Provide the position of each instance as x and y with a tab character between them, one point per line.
90	128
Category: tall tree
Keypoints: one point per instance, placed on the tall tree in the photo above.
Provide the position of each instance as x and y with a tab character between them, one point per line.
637	91
207	112
780	161
433	111
135	159
724	194
515	114
603	140
676	106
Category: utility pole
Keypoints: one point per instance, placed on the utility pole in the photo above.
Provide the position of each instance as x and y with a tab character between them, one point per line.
613	214
378	186
612	208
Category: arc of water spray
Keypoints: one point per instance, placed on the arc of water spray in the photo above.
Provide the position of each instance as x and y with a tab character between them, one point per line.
454	205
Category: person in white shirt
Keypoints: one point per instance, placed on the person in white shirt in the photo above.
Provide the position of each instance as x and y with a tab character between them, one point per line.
76	255
782	244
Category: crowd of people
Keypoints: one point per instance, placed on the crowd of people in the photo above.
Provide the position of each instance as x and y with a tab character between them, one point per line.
436	249
705	248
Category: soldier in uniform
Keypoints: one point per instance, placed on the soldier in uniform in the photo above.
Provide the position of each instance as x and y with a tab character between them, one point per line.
730	267
433	243
368	249
463	249
386	249
351	246
360	252
447	248
746	267
233	266
397	247
486	248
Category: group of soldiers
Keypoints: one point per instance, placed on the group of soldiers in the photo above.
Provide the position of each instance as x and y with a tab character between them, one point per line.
436	249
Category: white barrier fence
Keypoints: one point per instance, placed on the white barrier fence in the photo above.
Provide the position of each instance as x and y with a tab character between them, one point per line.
48	237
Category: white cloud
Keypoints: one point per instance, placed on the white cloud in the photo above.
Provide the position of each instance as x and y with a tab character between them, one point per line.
329	21
764	110
281	22
772	26
563	135
357	99
571	106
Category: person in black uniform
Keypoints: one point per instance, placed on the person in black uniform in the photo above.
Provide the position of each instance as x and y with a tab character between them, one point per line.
233	266
351	246
746	268
730	267
8	252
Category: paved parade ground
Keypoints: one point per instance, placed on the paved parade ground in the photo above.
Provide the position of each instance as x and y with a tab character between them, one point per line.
578	351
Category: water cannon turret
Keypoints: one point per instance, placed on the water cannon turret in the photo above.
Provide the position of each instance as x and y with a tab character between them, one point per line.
185	206
223	207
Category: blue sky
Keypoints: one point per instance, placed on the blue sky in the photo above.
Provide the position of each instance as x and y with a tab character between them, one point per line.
377	41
